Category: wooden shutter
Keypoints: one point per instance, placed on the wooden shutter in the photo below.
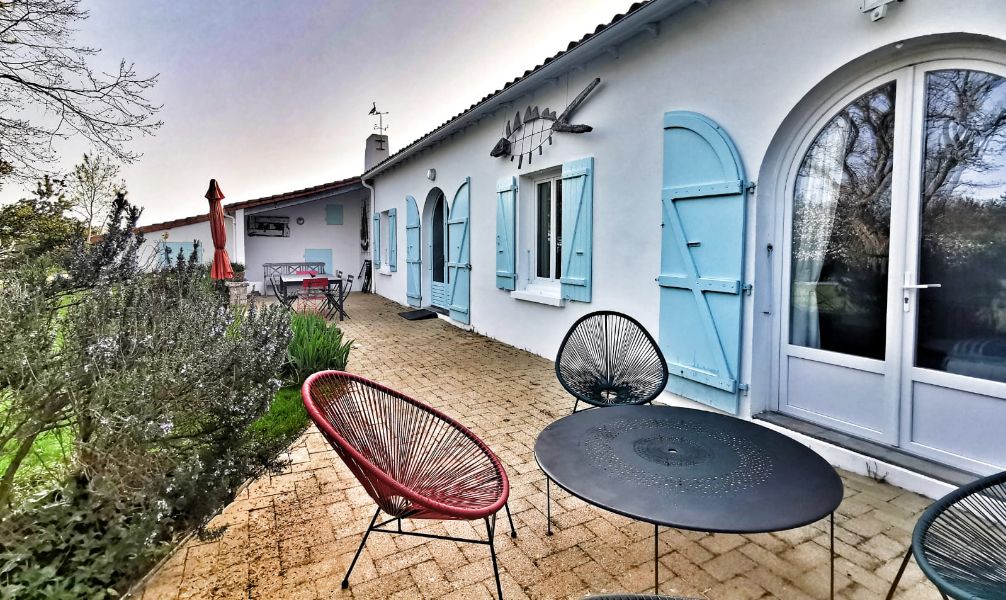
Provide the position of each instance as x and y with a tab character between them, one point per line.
333	214
702	260
413	259
577	228
506	208
459	262
377	240
393	239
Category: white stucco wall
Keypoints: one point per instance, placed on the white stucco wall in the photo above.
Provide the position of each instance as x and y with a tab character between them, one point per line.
746	65
344	240
184	233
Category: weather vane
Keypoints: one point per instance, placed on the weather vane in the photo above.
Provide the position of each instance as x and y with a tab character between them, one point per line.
380	127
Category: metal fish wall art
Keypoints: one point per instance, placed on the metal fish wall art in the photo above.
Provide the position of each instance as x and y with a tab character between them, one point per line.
522	137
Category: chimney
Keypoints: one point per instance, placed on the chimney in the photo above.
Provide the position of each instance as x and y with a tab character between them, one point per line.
377	150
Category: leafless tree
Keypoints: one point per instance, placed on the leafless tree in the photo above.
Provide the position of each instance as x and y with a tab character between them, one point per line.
93	186
48	91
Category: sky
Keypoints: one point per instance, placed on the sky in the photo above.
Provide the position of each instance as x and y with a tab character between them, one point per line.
269	96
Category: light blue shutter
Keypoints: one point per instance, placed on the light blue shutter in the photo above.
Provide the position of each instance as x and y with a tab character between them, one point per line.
333	214
322	255
377	240
413	260
577	228
393	238
702	260
459	265
506	208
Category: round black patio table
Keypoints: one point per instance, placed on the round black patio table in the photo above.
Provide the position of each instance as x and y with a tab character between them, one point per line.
688	469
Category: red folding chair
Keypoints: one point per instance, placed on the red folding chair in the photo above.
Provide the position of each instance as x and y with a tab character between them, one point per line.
312	295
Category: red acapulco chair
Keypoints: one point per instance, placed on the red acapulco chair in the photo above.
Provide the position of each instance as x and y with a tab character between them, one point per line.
413	460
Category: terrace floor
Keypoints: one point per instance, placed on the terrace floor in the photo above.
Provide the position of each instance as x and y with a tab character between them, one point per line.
292	535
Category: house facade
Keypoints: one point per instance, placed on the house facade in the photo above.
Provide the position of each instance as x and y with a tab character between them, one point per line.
804	202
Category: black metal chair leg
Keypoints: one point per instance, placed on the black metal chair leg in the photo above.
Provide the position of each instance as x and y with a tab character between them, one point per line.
491	530
513	530
832	557
901	571
548	505
575	404
366	534
656	559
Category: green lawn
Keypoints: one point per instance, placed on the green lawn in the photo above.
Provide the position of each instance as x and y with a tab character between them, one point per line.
284	421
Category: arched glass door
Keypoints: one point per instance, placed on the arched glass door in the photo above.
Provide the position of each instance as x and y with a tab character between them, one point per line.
895	325
439	292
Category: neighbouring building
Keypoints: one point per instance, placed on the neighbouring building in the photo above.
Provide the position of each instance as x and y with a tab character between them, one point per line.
325	223
804	202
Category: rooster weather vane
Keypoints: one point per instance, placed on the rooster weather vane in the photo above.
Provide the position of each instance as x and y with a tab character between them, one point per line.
523	136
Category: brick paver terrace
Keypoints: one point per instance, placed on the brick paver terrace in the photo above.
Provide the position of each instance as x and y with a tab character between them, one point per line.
292	535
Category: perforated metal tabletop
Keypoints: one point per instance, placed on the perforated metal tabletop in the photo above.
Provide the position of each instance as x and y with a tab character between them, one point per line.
688	469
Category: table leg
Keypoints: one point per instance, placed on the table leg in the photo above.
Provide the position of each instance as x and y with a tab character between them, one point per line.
548	504
832	556
656	559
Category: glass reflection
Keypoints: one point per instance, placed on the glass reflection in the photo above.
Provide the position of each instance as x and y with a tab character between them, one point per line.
962	326
841	230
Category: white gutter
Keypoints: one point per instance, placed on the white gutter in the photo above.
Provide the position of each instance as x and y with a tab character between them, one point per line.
647	18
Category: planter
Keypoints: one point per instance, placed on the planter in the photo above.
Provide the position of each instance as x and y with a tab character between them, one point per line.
237	292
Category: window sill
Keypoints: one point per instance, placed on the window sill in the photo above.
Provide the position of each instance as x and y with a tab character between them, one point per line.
549	297
384	271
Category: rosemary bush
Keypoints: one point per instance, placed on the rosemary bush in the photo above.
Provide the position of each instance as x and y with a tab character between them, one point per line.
153	381
316	345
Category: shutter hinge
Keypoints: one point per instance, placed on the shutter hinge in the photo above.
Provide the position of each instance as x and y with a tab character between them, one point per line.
747	288
743	388
751	185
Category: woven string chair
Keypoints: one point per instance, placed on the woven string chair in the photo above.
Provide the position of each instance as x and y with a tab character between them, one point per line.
607	359
414	461
960	542
635	597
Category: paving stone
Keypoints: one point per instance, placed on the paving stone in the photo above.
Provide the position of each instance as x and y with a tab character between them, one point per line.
293	535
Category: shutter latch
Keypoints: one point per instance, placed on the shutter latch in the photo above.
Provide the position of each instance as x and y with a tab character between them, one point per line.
747	288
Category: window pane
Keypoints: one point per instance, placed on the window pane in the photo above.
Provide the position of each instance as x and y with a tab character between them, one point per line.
558	229
841	231
438	241
962	326
544	228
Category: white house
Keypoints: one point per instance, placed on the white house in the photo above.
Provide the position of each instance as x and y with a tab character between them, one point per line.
325	223
769	187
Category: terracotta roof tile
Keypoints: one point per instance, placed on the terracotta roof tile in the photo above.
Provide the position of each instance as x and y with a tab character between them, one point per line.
234	206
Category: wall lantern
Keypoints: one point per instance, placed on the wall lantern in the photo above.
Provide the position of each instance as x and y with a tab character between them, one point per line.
876	8
431	174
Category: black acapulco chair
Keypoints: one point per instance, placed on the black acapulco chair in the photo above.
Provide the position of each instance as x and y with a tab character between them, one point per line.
960	542
607	359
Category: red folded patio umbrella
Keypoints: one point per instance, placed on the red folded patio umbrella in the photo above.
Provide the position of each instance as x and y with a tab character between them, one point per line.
221	268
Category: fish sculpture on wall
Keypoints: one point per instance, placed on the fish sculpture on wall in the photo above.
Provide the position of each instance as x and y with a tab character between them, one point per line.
523	136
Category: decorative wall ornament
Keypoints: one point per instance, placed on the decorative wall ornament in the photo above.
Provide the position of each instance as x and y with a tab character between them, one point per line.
522	137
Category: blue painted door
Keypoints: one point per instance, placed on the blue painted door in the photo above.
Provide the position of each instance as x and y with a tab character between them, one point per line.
702	260
458	258
413	258
320	255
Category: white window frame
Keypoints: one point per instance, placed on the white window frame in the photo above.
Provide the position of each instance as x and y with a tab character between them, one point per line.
529	286
554	234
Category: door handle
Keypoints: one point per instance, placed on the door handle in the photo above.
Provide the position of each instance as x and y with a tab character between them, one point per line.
921	286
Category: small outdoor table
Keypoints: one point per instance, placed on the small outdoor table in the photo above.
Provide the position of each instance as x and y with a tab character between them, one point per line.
688	469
